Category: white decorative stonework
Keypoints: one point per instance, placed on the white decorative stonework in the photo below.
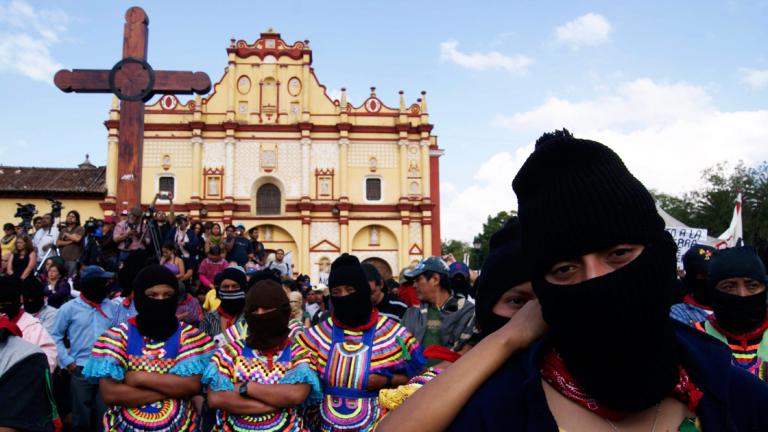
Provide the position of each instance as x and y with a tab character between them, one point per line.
289	168
246	167
325	155
360	154
213	154
180	153
319	231
414	236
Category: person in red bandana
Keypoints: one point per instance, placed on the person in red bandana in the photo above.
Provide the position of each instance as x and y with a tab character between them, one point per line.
356	352
737	279
604	271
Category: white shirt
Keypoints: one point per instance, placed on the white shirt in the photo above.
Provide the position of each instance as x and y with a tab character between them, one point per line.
45	237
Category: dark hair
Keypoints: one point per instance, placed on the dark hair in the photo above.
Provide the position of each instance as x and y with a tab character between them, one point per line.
8	226
214	250
77	216
250	231
445	283
36	219
196	224
171	246
60	267
208	225
28	246
391	284
371	273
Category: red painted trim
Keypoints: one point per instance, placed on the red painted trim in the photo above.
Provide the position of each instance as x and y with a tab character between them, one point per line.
296	128
334	247
375	250
434	193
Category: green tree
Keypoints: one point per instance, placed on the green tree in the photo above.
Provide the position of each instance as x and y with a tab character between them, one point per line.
456	247
491	225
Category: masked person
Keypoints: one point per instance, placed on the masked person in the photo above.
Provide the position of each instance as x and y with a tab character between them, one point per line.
738	281
230	289
603	269
256	383
697	303
508	316
33	293
356	352
239	330
33	330
149	367
80	322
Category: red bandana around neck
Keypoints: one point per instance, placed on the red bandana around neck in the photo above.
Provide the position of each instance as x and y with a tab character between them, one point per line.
743	339
371	322
556	374
6	323
93	305
229	320
688	299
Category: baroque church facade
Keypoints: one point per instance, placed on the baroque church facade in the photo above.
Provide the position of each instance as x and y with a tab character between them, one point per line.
269	148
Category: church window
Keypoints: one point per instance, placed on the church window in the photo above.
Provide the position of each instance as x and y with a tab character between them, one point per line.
166	184
268	200
373	189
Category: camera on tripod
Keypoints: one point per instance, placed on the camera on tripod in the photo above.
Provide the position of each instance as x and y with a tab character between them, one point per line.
93	227
26	212
56	207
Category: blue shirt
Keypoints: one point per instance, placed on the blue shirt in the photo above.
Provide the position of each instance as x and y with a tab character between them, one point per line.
82	325
241	248
688	314
122	313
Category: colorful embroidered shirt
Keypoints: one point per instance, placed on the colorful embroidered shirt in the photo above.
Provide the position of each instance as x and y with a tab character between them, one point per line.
237	363
239	330
748	353
122	349
344	359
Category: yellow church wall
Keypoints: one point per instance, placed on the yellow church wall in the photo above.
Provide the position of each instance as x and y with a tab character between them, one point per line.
86	207
390	184
183	183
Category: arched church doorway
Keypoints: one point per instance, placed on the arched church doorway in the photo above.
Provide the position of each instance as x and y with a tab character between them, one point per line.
381	265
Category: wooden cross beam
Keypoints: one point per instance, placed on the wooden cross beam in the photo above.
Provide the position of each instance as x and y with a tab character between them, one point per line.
134	81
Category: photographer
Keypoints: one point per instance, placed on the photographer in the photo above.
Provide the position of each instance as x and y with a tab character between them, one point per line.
107	245
161	218
129	234
70	241
45	238
184	237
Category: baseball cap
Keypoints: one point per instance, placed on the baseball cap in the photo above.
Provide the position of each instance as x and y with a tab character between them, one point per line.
319	287
95	272
109	219
459	268
431	264
124	212
136	211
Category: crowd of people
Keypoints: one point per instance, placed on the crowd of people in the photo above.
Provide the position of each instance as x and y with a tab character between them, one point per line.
578	320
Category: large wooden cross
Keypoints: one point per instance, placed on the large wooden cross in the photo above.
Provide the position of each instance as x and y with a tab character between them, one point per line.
134	82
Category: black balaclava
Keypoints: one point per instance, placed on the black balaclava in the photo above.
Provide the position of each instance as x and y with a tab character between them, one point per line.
734	313
267	330
232	302
10	296
504	268
95	289
355	309
156	319
576	197
696	264
34	295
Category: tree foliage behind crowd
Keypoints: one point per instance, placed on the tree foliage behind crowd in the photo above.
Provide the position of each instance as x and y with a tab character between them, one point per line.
711	206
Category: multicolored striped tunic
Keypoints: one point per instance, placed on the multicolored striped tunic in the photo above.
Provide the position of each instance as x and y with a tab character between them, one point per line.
239	330
344	359
750	353
238	363
122	349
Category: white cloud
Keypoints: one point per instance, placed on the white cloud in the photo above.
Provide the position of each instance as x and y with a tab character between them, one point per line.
665	133
26	40
483	61
755	78
587	30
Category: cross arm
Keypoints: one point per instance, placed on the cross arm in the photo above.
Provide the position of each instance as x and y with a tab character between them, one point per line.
181	82
82	80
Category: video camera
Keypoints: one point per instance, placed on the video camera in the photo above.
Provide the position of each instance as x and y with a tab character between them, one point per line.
93	226
56	207
26	212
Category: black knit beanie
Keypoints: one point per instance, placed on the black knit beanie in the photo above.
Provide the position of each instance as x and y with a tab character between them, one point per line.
346	270
233	274
697	258
155	319
152	275
503	269
575	196
736	262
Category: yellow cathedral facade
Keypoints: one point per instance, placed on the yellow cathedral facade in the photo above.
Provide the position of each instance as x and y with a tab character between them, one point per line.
269	148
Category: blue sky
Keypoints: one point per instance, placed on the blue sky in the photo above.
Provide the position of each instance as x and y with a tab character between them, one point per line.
673	87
